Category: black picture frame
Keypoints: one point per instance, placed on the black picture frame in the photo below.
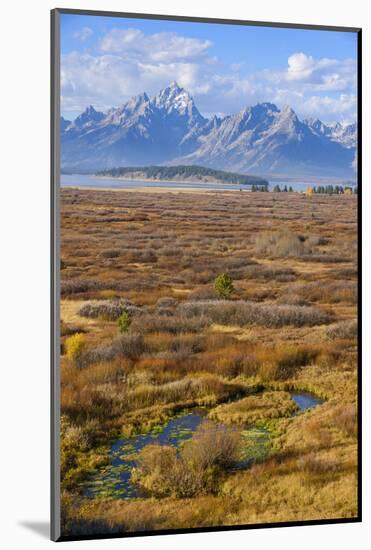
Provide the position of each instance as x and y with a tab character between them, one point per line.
55	270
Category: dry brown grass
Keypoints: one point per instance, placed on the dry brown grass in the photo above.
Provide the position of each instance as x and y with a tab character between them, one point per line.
290	326
198	468
254	408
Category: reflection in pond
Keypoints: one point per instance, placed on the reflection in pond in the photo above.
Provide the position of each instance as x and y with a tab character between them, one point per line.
306	400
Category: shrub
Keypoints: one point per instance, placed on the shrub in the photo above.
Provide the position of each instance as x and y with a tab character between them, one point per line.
280	244
123	322
345	418
325	258
282	362
174	324
111	253
109	310
180	345
171	251
166	305
78	527
280	274
343	329
204	390
75	347
224	285
327	292
313	465
185	345
212	445
155	471
243	313
68	329
203	293
231	361
127	346
166	302
131	346
292	299
98	354
318	431
142	256
79	286
195	470
343	273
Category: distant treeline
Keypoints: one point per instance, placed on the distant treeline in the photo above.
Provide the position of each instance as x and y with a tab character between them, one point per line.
322	189
334	189
184	172
277	189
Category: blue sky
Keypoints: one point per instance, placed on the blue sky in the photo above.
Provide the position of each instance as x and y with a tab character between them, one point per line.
105	61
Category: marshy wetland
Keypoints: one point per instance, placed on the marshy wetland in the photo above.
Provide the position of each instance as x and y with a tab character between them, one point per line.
187	403
115	479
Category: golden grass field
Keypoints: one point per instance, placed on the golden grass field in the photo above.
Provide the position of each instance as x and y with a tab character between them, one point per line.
289	325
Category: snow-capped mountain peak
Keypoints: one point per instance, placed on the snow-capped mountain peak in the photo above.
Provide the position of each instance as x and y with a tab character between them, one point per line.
136	106
345	133
316	125
168	93
64	124
88	117
137	101
339	132
168	129
287	122
173	98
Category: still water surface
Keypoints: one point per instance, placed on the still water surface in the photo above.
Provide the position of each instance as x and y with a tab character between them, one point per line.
84	180
114	480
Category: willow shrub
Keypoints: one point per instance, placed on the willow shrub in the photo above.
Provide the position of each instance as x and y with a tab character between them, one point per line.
75	347
196	469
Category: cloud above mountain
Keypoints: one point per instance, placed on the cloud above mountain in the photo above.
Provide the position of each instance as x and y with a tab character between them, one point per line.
163	47
124	61
322	74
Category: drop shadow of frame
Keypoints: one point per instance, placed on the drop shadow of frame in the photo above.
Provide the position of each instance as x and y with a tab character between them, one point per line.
41	528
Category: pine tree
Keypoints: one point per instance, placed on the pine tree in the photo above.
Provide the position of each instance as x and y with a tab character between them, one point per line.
224	285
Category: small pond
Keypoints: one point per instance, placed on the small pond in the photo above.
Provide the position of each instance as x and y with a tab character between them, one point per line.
306	400
114	480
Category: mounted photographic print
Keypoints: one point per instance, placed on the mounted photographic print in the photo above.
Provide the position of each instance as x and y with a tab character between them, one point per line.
205	236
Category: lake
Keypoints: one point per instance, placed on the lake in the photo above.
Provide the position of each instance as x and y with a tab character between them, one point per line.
86	180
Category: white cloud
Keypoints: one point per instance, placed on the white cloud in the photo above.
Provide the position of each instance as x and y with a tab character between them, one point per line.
127	62
328	105
300	66
83	34
110	80
320	75
164	47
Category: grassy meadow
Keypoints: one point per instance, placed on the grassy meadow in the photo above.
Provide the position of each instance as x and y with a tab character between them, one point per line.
146	338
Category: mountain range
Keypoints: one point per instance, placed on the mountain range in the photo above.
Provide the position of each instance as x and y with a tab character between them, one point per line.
169	129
